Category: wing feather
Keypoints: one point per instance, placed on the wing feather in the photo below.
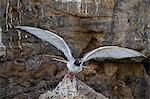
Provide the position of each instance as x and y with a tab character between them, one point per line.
111	52
50	37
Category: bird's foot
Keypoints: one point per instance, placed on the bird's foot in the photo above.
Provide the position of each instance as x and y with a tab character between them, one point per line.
70	75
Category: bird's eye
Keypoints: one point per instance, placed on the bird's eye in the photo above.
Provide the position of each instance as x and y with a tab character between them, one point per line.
77	62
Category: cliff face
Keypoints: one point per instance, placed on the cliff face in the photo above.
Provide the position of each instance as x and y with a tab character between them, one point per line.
27	69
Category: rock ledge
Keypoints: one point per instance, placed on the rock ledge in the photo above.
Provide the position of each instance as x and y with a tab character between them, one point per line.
72	89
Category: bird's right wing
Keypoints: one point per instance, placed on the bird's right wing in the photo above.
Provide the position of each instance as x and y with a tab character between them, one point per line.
111	52
50	37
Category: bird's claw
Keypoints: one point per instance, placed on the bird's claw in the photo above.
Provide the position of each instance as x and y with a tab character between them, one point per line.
70	75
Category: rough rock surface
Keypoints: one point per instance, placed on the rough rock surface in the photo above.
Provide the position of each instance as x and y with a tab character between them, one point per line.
2	47
72	89
27	70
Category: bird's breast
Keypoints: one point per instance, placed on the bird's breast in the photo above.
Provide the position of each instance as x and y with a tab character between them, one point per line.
72	68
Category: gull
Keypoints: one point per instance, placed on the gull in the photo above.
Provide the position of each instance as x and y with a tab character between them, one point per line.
76	65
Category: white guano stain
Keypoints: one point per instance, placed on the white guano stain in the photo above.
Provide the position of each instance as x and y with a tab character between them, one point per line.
0	35
97	2
81	5
78	3
86	8
2	47
64	1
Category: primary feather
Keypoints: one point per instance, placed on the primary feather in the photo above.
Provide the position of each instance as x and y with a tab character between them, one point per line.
111	52
50	37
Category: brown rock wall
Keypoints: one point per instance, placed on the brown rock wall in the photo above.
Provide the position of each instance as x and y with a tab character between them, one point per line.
27	70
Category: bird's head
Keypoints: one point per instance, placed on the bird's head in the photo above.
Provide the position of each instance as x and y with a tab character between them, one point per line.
77	62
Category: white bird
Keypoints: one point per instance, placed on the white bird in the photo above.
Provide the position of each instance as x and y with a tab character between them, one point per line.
76	65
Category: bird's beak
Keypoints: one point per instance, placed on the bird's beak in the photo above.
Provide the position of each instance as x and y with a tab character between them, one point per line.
60	60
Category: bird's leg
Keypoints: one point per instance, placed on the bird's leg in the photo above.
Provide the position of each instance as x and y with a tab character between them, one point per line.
71	75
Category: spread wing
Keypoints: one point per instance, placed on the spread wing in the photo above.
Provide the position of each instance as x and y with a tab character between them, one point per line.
50	37
111	52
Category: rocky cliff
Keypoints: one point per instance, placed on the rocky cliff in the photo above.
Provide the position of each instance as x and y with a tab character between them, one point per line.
27	69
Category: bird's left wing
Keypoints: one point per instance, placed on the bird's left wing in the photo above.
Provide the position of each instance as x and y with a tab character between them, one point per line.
50	37
111	52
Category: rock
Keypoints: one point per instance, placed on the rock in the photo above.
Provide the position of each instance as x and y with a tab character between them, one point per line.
17	80
96	24
72	89
86	8
126	28
122	91
102	84
110	69
146	64
2	47
143	84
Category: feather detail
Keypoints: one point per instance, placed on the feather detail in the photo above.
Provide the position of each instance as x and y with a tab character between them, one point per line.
111	52
50	37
